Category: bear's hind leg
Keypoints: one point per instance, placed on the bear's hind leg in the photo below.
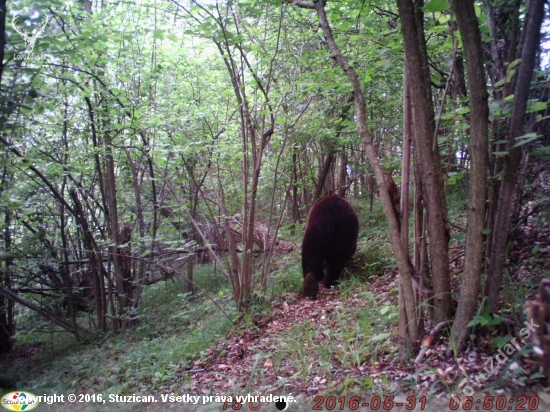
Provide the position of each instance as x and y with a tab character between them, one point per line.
332	272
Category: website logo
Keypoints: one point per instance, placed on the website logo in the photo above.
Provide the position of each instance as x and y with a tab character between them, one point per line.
30	39
19	401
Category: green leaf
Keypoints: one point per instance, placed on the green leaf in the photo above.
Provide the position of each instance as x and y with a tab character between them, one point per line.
536	107
514	64
443	18
543	152
346	26
158	34
501	341
478	11
484	320
462	110
385	309
435	6
438	29
380	337
501	83
25	109
205	29
526	138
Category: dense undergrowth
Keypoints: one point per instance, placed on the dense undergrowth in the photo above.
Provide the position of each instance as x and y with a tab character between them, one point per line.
174	328
176	334
171	330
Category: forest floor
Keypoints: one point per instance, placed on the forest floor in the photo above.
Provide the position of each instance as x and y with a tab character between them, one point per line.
314	349
247	358
320	352
500	361
244	361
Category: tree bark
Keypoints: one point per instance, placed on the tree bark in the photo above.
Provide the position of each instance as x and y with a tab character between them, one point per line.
7	326
506	201
139	273
479	132
504	27
432	181
404	210
321	180
3	13
122	283
96	263
343	178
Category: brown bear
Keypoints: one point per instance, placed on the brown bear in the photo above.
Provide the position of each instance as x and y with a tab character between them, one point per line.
329	241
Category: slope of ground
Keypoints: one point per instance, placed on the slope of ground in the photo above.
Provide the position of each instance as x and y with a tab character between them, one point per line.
343	344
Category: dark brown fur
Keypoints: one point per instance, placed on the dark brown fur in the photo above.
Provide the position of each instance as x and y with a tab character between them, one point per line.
329	241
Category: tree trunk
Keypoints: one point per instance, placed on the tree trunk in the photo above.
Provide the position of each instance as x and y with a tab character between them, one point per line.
253	149
7	326
321	180
139	272
504	27
295	206
342	180
531	43
404	210
479	132
3	14
6	306
122	282
328	161
96	264
432	181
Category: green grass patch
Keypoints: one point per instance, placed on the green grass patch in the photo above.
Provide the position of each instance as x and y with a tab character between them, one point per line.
357	333
172	328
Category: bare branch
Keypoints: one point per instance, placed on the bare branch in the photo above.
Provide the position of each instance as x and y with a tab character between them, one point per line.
9	294
301	3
